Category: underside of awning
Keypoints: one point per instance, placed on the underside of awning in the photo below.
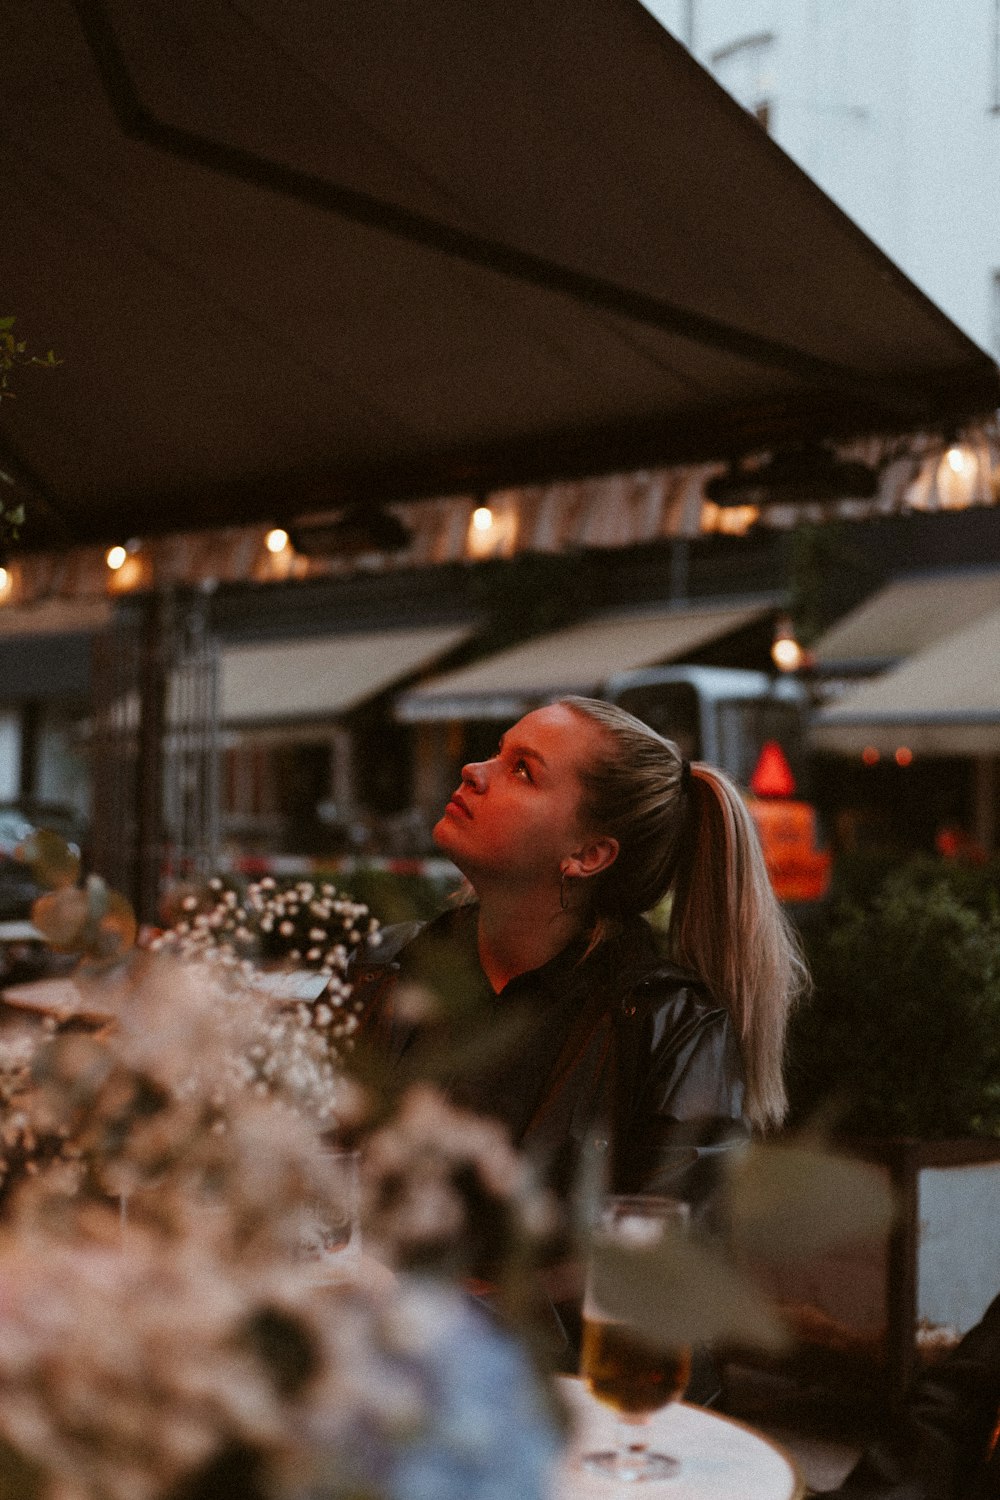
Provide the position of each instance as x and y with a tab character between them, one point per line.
908	616
943	701
294	256
55	617
579	659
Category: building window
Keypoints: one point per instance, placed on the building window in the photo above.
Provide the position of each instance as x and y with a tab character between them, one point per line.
744	68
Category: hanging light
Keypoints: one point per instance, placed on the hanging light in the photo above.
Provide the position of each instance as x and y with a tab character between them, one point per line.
492	530
117	556
276	539
786	653
957	477
129	566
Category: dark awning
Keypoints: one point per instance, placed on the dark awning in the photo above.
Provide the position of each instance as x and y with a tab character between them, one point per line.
295	253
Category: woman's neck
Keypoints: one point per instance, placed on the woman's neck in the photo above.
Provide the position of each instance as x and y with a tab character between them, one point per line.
519	932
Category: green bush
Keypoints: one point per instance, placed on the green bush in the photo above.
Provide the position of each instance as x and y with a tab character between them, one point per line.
860	875
902	1034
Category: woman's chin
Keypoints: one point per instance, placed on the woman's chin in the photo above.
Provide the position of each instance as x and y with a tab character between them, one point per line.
441	834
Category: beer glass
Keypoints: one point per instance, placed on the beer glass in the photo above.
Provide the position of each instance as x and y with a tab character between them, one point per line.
621	1368
329	1230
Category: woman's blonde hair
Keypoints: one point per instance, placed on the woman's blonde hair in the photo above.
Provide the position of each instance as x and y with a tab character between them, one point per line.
689	832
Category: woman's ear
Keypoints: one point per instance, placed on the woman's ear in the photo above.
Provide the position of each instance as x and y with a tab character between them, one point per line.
591	858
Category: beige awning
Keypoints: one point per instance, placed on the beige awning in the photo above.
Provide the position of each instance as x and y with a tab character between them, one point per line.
321	677
283	687
909	616
578	659
943	701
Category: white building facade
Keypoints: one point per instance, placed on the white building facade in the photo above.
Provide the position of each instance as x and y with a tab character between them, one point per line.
893	108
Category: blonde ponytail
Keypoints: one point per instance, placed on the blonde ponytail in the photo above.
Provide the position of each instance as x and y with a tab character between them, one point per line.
727	925
689	832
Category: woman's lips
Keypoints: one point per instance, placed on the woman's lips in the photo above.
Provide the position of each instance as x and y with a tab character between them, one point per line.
457	802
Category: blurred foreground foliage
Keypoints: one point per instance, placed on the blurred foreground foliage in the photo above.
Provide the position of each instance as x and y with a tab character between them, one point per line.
89	919
902	1034
776	1202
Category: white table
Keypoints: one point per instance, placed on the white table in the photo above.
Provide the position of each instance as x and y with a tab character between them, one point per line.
720	1459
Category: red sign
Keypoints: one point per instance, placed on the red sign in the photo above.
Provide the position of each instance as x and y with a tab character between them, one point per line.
772	776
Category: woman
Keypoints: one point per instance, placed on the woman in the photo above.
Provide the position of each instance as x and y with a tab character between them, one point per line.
584	820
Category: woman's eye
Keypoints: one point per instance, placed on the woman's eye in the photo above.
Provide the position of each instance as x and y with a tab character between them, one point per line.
521	768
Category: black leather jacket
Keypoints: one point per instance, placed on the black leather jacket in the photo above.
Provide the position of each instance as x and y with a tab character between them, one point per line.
944	1446
618	1047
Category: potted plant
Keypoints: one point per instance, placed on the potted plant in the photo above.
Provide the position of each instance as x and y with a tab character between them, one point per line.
898	1055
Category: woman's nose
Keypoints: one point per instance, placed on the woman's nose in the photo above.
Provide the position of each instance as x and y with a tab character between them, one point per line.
474	775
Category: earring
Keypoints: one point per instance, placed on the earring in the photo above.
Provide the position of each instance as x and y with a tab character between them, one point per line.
563	903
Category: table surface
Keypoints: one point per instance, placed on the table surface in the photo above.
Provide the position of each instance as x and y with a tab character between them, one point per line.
720	1459
61	998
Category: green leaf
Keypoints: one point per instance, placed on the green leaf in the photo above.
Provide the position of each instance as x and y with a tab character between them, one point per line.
20	1477
795	1199
61	916
53	863
682	1291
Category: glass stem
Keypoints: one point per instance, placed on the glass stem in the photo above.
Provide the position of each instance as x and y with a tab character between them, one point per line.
633	1442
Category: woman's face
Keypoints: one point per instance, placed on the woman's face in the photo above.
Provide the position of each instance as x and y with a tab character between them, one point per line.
518	815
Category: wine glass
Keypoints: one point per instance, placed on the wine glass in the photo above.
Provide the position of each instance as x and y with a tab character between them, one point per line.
619	1365
329	1228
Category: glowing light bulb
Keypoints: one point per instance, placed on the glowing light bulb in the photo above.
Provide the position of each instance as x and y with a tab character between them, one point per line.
904	756
786	654
870	756
482	518
115	558
4	580
959	460
276	540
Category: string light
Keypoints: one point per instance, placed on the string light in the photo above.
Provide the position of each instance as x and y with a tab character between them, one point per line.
115	558
957	477
786	653
276	539
482	518
959	460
